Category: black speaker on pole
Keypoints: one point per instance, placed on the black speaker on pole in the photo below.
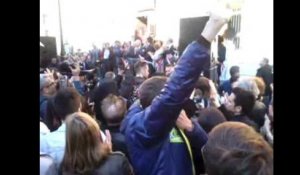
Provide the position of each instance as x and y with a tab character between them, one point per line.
48	51
190	29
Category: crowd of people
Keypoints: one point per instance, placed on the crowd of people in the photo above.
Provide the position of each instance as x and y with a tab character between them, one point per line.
139	109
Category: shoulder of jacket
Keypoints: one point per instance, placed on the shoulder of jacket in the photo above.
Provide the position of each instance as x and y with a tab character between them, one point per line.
117	153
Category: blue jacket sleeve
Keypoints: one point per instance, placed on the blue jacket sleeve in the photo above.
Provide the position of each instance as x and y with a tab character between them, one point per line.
79	87
160	117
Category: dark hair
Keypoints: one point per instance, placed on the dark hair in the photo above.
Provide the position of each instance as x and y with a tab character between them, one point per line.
235	148
208	118
84	150
266	60
245	99
138	66
109	75
150	40
258	113
127	86
220	39
66	101
234	70
203	84
113	108
105	88
52	120
150	88
64	69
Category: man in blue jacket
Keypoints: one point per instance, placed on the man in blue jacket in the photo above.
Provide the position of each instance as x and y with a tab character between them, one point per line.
159	136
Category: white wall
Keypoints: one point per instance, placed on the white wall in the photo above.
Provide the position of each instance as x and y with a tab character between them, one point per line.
256	34
50	8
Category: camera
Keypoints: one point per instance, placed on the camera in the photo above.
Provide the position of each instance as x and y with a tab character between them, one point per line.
63	82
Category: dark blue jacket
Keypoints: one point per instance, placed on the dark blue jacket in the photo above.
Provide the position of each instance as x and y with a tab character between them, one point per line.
226	87
154	144
43	106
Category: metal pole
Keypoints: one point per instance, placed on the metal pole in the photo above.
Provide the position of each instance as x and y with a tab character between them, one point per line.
62	50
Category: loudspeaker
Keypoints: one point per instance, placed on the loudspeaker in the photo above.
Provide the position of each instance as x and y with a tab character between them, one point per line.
190	29
48	51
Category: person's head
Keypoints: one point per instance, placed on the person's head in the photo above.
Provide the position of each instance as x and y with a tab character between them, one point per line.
137	43
117	43
260	85
54	61
258	113
236	148
66	102
170	41
202	88
113	108
64	69
248	84
220	39
106	45
150	40
141	68
84	148
150	88
110	75
240	101
264	61
47	85
157	45
235	73
52	120
208	118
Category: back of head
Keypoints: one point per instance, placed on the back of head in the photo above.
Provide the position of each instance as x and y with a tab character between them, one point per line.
245	99
208	118
150	40
52	120
113	108
84	149
110	75
260	85
157	45
66	101
220	39
233	148
64	69
248	84
234	72
203	84
139	65
150	88
258	113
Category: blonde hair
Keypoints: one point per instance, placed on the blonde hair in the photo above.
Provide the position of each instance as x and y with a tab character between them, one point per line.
84	149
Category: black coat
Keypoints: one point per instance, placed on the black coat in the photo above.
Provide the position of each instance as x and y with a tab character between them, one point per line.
266	74
118	140
115	164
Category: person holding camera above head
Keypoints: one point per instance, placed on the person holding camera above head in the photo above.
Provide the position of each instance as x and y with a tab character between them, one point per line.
47	90
159	135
